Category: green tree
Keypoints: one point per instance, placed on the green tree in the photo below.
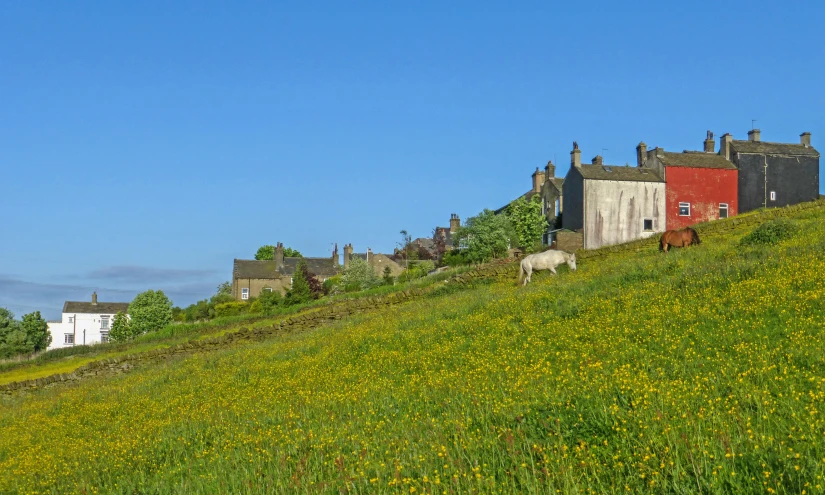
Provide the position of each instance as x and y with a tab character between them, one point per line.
300	292
121	330
529	223
37	331
485	236
359	275
388	278
269	301
150	311
267	252
224	288
13	339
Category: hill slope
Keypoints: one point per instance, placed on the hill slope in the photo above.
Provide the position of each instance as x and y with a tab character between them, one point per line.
697	370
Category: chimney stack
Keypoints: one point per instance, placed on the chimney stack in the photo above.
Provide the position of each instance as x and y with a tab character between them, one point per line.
753	135
709	143
597	160
455	222
724	145
805	139
549	170
94	298
279	257
538	180
347	254
641	154
576	156
335	260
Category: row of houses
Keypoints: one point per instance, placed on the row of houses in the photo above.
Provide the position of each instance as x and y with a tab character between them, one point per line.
597	204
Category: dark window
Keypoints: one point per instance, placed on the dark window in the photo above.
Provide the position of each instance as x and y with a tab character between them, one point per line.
684	209
723	210
68	338
648	224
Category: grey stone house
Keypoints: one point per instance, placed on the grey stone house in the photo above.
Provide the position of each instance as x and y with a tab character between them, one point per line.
251	277
773	174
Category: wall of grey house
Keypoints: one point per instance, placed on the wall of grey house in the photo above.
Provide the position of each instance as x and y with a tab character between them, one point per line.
794	179
615	211
573	194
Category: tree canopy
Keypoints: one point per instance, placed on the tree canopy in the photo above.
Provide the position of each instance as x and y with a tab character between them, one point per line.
359	275
485	236
529	223
22	337
267	252
149	311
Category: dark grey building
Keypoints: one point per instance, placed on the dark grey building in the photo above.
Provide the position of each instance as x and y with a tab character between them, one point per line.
773	174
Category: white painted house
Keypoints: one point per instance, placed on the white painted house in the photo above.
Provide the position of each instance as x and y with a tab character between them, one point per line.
611	204
84	323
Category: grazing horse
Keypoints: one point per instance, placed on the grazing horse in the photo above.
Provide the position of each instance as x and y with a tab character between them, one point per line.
678	238
547	260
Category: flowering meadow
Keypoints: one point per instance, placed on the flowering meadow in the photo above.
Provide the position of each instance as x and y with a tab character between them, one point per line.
697	371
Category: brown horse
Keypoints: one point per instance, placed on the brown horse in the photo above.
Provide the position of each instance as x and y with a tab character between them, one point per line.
678	238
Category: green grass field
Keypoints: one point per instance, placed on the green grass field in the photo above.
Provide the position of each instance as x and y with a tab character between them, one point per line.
696	371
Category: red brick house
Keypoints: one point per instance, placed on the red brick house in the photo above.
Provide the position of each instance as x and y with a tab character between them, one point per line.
699	185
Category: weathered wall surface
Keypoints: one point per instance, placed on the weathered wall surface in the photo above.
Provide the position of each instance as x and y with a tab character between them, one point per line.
569	242
614	211
795	179
256	285
379	261
704	189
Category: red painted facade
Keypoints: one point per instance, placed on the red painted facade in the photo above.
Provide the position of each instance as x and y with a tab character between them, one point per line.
705	189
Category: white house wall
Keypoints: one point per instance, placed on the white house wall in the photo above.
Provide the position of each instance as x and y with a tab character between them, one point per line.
86	329
614	211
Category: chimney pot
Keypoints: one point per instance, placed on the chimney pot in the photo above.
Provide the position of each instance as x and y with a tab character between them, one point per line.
455	222
709	143
279	257
538	180
347	254
805	139
597	160
641	154
753	135
94	298
549	170
576	155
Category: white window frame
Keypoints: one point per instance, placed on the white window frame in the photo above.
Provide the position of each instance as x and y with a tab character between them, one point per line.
68	338
773	195
724	206
104	337
652	227
245	293
104	319
267	289
684	205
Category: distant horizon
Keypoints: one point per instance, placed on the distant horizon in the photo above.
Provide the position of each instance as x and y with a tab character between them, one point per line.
148	145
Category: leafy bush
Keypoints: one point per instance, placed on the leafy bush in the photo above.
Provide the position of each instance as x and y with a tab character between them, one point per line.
359	275
455	258
149	311
332	285
233	308
121	330
418	270
770	232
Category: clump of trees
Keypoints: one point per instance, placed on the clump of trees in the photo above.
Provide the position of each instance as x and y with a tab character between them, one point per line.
267	252
25	336
528	222
148	312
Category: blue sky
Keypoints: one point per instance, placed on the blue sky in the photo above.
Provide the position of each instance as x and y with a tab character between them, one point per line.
147	144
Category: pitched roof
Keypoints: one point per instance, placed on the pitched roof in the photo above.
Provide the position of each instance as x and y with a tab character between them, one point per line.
766	148
558	182
613	172
99	308
263	269
695	159
267	269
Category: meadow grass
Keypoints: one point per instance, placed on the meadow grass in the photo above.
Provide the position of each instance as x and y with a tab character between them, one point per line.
696	371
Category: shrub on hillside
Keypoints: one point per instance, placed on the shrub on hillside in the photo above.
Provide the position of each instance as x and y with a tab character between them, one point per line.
770	232
150	311
418	270
233	308
121	330
455	258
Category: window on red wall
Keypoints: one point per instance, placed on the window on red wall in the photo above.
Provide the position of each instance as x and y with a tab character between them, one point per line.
723	210
684	209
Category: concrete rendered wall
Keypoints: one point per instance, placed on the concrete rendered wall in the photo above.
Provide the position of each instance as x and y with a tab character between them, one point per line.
86	329
794	179
614	211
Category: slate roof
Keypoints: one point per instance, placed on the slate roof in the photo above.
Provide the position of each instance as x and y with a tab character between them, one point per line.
695	159
558	182
267	269
766	148
101	308
613	172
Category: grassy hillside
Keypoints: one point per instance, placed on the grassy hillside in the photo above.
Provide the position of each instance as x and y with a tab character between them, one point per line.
699	370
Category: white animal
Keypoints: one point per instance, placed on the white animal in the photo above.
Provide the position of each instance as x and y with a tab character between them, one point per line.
547	260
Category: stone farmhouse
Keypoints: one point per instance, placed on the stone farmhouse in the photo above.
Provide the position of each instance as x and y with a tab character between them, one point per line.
84	322
251	277
773	174
612	204
699	185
